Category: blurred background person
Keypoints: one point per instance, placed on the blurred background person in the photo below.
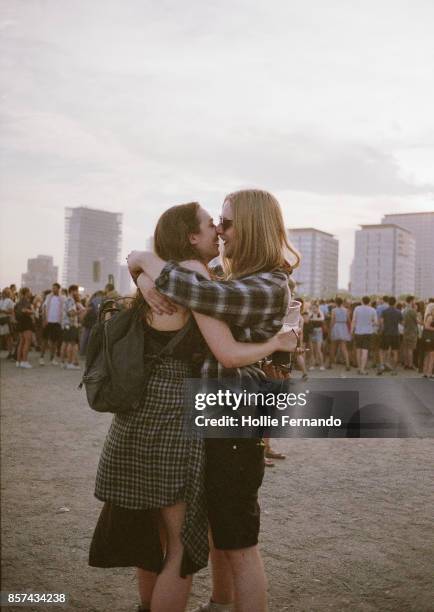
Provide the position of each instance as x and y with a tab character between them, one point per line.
6	314
339	333
316	318
25	326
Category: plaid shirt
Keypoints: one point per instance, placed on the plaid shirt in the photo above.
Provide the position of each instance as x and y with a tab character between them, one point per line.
253	306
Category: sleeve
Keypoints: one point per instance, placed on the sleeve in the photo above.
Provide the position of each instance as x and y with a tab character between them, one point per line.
246	301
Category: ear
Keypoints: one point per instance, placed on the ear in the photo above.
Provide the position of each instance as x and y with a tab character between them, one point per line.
193	238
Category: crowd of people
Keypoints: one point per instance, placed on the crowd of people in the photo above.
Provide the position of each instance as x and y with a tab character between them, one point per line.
378	333
55	323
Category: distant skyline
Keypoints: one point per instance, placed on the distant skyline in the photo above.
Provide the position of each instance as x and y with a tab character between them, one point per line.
133	107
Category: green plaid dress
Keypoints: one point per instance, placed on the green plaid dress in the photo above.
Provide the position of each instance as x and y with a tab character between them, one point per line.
148	462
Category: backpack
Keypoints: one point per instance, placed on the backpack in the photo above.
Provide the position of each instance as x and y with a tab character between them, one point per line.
117	367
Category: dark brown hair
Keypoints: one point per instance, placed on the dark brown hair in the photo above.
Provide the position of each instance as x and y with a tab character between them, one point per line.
172	240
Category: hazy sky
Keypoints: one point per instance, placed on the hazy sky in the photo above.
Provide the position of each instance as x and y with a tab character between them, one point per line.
136	105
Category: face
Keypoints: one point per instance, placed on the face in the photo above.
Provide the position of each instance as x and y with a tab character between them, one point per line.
55	289
206	241
225	229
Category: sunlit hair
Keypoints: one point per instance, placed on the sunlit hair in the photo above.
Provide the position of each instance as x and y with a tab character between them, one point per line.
261	243
172	241
429	311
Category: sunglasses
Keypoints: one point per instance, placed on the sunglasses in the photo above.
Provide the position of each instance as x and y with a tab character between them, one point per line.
226	223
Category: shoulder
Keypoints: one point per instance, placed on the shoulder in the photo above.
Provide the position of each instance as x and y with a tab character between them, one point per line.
195	266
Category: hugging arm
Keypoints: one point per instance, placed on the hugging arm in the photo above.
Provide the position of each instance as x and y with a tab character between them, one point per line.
218	336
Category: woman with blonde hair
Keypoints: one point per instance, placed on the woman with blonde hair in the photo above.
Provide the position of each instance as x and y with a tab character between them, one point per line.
428	340
253	299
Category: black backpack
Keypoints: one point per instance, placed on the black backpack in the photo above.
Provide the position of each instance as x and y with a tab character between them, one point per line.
117	366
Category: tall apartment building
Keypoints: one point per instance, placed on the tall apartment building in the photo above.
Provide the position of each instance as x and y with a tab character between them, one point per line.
92	248
317	275
41	273
384	260
421	225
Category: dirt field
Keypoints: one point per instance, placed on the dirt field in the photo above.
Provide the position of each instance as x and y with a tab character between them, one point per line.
346	524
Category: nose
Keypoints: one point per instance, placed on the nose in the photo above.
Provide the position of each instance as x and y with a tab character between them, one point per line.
219	229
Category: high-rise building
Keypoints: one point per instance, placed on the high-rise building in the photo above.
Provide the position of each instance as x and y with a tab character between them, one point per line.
421	225
384	256
41	273
92	248
317	275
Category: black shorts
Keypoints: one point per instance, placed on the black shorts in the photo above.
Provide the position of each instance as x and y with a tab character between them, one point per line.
52	332
234	473
70	335
390	341
363	341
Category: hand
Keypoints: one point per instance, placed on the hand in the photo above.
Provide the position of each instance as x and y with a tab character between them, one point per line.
286	341
158	303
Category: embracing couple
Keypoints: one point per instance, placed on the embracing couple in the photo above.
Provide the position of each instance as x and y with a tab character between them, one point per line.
163	490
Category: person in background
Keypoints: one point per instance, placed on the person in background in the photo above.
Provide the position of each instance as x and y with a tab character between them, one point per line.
317	320
90	318
340	333
409	339
428	340
363	326
389	320
301	364
6	313
25	327
52	314
70	327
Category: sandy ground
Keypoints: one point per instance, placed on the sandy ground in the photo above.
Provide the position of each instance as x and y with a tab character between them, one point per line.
346	524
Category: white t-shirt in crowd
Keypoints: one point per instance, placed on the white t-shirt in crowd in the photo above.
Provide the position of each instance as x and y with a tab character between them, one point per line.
365	318
55	309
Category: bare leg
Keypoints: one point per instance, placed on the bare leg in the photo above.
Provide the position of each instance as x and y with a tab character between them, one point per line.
146	582
171	592
222	581
345	354
250	583
20	348
363	359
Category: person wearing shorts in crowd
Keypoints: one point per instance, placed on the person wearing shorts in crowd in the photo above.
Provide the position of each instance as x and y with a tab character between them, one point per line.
409	338
52	317
390	318
71	310
363	326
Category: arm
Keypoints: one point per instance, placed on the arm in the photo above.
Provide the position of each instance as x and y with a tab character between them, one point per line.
247	301
354	321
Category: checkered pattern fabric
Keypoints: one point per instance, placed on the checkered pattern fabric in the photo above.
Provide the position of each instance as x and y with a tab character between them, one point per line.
148	461
253	306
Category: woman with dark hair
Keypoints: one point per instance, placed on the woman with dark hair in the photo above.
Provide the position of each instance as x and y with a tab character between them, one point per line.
151	475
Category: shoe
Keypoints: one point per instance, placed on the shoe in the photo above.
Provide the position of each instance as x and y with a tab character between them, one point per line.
72	366
272	454
322	368
311	368
54	362
214	607
304	377
394	373
18	364
268	463
41	361
348	369
26	365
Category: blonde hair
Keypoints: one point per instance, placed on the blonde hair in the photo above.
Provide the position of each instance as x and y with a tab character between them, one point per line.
261	243
429	312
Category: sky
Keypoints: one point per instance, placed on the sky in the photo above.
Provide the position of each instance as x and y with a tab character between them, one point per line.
138	105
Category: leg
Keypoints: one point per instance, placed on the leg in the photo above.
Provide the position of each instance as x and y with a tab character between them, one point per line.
332	353
27	343
250	583
345	354
363	359
171	591
146	582
20	347
222	581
